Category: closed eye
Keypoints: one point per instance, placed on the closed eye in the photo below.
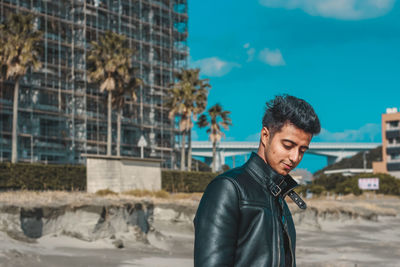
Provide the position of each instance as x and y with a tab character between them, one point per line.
288	147
304	150
288	144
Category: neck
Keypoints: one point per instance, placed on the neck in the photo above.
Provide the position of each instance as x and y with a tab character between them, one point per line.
261	152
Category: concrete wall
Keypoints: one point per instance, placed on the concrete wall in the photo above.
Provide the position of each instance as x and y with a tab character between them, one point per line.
395	174
122	174
379	167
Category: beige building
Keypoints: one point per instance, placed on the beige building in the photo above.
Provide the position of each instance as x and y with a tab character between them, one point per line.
390	144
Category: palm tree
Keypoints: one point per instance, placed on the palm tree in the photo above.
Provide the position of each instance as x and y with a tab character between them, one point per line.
109	65
187	98
119	97
3	68
216	119
19	51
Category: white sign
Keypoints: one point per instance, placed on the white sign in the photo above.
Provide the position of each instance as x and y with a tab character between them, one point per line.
142	143
368	183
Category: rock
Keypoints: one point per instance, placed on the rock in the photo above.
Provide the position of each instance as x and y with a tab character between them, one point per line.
118	243
20	237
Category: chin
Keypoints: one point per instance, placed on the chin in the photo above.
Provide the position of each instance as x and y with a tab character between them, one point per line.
283	172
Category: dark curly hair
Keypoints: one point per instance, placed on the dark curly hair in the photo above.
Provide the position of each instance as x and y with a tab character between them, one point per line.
287	108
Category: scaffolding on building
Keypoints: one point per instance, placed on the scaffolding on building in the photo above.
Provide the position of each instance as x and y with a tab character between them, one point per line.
61	115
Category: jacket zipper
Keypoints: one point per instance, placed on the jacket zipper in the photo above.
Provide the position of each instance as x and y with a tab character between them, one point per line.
287	235
279	248
290	248
276	233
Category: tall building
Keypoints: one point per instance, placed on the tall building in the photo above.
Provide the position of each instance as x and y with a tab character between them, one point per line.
61	116
390	144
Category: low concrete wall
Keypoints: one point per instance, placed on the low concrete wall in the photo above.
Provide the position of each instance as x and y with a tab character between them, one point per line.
121	174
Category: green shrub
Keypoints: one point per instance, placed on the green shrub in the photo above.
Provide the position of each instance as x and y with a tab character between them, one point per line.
161	194
329	182
301	189
42	177
147	193
316	189
138	193
105	192
349	186
181	181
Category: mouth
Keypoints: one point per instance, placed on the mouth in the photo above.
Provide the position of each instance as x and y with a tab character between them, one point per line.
287	166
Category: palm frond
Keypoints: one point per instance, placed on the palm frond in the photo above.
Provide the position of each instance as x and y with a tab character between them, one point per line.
20	45
187	97
109	65
215	119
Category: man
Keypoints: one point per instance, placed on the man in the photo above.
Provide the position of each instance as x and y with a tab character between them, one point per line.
242	218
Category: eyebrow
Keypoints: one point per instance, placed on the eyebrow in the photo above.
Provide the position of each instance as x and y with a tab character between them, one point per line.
294	143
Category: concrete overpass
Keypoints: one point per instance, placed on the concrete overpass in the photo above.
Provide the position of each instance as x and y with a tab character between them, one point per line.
334	152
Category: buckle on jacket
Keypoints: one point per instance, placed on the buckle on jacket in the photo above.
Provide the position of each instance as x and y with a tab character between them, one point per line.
297	199
275	190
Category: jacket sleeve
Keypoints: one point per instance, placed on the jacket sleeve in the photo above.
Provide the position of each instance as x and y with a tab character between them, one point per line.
216	224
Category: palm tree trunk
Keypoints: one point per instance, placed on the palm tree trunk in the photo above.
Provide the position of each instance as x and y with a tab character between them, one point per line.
14	151
183	150
119	132
214	151
189	159
109	135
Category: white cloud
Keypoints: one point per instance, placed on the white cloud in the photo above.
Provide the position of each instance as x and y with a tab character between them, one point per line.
272	57
253	137
367	133
250	51
228	139
250	54
338	9
213	66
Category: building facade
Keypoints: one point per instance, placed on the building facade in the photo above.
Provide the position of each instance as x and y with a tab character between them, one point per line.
61	115
390	144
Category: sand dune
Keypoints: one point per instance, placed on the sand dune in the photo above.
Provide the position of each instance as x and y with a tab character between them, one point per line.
78	229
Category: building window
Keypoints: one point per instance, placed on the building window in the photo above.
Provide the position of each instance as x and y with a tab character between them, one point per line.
393	124
395	156
391	141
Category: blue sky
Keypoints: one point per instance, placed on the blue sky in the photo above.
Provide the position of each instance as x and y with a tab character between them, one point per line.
342	56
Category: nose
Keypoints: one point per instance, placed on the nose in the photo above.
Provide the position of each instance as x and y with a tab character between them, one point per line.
294	156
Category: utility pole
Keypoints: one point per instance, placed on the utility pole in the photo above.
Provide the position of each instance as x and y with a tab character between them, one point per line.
365	160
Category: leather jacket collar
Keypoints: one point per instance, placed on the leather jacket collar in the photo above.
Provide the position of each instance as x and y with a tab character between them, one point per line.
268	177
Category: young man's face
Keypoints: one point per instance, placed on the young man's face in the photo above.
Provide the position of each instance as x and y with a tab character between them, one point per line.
285	149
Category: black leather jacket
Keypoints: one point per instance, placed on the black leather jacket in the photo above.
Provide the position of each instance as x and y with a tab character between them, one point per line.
243	219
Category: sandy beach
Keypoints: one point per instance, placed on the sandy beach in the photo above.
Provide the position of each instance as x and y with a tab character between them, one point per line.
361	231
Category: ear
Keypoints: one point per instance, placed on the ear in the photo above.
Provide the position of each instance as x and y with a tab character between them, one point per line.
265	135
